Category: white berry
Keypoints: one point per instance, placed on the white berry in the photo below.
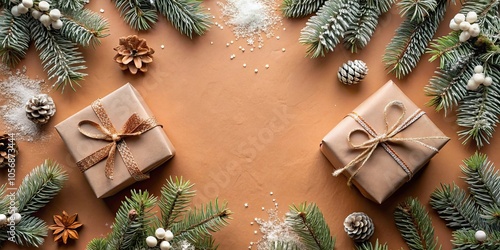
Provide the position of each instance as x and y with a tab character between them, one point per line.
472	85
151	241
45	19
459	18
471	17
474	30
43	6
36	14
16	217
169	235
22	9
464	36
160	233
453	25
487	81
478	78
478	69
15	11
480	235
464	25
28	3
165	245
57	25
3	219
55	14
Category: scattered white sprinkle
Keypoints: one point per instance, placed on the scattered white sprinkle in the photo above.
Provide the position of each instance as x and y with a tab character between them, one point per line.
233	42
251	49
267	66
251	223
216	23
162	46
246	204
278	37
283	49
101	10
208	8
255	232
213	17
284	28
239	47
263	209
212	43
227	44
244	65
274	200
251	243
260	47
243	49
232	56
256	70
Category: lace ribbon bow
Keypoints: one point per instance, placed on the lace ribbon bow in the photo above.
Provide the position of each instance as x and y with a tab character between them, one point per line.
134	126
383	139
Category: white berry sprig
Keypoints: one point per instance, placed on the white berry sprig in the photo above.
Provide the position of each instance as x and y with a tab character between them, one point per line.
478	78
42	12
161	234
466	24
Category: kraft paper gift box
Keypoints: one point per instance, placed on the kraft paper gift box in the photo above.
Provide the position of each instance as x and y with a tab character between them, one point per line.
391	153
146	151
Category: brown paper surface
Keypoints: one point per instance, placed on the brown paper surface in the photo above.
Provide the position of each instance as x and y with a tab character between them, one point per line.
150	149
381	175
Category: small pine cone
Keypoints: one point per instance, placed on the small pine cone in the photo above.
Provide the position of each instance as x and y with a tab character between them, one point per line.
8	149
133	54
40	108
359	226
352	72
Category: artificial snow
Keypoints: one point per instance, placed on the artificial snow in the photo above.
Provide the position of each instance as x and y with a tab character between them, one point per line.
276	229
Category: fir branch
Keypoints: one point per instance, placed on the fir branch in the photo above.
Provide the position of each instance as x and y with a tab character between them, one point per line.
414	224
464	239
479	112
60	57
416	10
30	231
98	244
129	231
39	187
449	49
300	8
84	27
324	30
174	201
278	245
308	222
457	209
187	16
360	31
369	246
487	11
138	14
491	215
382	5
199	222
67	5
14	38
483	180
406	48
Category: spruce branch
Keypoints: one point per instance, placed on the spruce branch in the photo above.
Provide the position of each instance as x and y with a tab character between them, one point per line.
175	198
308	222
187	16
300	8
324	30
60	57
278	245
414	224
408	45
84	27
464	239
382	5
68	5
14	38
98	244
138	14
39	187
369	246
30	231
416	10
360	31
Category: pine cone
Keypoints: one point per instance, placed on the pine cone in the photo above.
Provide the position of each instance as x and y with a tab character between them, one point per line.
133	54
352	72
359	226
40	109
8	149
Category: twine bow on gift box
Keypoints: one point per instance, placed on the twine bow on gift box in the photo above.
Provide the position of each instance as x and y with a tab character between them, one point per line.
383	139
134	126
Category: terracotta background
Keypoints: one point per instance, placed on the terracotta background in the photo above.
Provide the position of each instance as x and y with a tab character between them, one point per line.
219	114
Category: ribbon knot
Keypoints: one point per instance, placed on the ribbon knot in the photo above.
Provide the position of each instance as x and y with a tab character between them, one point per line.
134	126
374	140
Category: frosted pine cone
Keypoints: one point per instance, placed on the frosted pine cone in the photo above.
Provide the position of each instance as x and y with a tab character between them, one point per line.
8	149
359	226
352	72
40	108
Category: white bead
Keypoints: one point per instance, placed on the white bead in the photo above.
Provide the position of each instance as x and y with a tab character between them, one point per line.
57	25
43	6
267	66
472	85
3	219
169	235
471	17
101	10
256	70
474	30
453	25
478	78
28	3
22	9
165	245
464	25
464	36
283	49
478	69
55	14
459	18
244	66
16	217
45	19
15	11
36	14
480	235
151	241
160	233
487	81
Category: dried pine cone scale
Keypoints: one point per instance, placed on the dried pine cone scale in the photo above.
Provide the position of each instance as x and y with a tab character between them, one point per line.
133	54
40	108
359	226
8	149
352	72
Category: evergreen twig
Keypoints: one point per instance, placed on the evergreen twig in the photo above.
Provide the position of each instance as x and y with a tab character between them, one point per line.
300	8
84	27
359	33
30	231
369	246
187	16
174	201
14	38
138	14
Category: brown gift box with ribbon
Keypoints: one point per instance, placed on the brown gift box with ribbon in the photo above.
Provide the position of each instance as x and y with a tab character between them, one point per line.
382	143
115	141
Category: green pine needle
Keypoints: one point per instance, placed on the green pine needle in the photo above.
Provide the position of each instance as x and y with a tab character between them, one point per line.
360	31
369	246
308	222
415	225
39	187
84	27
382	5
187	16
417	10
300	8
324	30
67	5
175	198
14	38
30	231
278	245
98	244
138	14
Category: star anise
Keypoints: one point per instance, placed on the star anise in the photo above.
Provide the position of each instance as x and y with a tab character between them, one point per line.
65	227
